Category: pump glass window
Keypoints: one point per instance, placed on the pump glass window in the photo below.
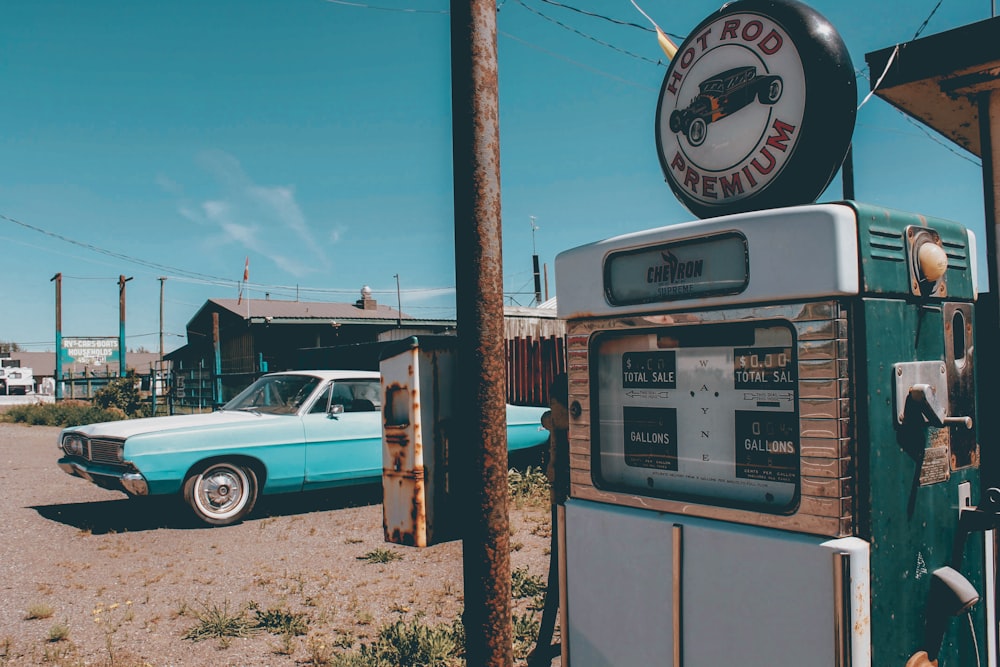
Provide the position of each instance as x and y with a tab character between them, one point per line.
686	269
704	413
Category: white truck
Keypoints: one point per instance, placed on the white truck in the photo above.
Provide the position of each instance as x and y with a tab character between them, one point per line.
15	379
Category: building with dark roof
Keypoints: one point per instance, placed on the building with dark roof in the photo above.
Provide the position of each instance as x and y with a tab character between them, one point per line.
231	341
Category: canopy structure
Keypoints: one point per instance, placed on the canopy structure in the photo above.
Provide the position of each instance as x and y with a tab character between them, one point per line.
940	79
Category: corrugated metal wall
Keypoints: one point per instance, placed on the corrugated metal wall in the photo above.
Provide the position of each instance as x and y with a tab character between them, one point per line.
532	365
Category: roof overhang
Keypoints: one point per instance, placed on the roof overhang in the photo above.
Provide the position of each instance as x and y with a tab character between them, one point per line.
938	79
340	321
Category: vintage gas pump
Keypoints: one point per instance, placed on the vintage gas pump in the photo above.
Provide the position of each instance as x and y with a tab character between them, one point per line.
774	454
773	451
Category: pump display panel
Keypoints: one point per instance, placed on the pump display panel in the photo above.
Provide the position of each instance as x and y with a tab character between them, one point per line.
706	414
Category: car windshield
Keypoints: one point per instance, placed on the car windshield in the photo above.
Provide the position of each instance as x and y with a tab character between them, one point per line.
275	394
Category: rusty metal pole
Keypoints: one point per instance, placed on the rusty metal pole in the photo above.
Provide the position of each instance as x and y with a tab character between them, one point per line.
217	361
482	439
58	281
988	308
121	324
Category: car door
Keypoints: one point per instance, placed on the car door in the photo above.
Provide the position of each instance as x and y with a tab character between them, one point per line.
344	447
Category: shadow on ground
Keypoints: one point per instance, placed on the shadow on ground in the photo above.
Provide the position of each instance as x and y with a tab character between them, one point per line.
139	514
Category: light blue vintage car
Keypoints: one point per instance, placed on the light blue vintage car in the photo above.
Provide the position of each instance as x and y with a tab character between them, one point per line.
287	432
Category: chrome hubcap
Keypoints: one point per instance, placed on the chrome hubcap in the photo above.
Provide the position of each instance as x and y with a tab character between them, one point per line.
221	490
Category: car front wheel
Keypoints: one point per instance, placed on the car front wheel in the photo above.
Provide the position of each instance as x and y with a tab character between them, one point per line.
221	493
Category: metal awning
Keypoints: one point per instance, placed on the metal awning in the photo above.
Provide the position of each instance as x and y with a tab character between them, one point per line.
936	79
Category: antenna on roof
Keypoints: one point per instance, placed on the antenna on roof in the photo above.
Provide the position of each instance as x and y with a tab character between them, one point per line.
534	262
399	304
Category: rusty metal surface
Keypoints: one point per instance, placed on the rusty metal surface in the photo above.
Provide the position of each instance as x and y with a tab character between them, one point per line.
418	504
58	372
404	518
480	445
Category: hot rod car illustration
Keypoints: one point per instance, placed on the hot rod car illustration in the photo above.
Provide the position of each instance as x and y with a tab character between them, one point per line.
723	95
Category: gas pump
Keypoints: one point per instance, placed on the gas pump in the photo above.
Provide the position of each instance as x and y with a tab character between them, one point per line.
773	445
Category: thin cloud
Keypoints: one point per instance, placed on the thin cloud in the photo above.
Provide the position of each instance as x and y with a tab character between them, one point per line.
264	220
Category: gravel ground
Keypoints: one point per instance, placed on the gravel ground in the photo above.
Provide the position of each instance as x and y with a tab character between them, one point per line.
125	581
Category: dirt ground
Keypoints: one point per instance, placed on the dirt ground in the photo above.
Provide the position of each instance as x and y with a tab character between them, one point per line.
89	577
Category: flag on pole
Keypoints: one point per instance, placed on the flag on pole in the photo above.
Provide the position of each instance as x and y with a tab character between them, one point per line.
246	277
669	48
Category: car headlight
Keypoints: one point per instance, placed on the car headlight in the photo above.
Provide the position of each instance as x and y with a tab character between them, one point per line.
73	445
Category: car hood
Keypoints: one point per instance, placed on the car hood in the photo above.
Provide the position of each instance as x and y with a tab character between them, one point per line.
130	427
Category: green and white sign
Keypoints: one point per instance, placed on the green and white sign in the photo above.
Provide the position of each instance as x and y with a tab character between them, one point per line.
89	351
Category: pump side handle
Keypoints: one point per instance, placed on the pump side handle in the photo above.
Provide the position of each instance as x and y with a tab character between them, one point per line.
924	396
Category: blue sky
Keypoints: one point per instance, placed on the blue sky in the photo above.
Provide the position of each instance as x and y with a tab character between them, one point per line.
313	136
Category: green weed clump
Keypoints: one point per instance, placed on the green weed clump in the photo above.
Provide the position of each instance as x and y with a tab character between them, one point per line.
64	413
525	633
525	585
410	643
381	555
215	622
528	488
281	621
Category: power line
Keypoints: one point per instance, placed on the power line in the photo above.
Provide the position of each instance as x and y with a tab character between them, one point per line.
926	20
587	36
401	10
592	70
194	277
920	126
111	253
609	19
937	140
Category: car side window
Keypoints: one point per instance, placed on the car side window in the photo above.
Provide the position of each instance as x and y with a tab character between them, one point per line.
367	396
354	395
321	402
342	395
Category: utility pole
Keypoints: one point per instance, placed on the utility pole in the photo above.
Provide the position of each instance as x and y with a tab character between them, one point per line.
217	360
121	324
58	281
480	441
162	279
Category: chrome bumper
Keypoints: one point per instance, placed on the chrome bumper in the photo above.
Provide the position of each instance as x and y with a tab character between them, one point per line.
132	483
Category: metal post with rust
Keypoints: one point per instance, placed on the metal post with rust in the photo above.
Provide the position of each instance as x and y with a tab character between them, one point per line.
121	325
988	309
481	443
59	379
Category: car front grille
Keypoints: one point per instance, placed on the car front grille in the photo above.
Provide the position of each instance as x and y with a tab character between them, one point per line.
104	451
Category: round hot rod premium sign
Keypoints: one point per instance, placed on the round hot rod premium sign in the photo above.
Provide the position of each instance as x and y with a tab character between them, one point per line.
756	109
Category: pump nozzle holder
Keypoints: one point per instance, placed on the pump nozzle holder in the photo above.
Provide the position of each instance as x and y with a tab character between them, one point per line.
952	592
